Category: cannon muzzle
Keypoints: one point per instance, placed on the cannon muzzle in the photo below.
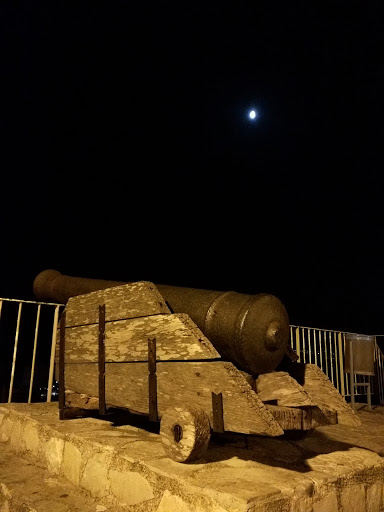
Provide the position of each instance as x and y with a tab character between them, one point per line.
252	331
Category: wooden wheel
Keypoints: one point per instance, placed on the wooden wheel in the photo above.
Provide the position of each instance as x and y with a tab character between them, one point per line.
185	433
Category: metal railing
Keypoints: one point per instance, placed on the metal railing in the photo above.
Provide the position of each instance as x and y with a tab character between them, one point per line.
28	329
32	327
326	349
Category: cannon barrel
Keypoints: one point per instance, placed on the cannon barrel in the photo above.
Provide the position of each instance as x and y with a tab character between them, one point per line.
252	331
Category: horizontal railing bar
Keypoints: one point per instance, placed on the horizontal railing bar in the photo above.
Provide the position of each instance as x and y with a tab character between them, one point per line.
331	330
32	302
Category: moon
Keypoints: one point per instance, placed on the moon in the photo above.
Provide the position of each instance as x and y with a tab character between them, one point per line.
252	114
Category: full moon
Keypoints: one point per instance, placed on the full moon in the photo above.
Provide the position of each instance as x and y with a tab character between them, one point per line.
252	114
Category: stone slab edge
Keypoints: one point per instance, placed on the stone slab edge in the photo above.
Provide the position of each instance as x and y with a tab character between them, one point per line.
102	471
106	475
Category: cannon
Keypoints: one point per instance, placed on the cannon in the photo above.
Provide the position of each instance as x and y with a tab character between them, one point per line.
196	360
252	331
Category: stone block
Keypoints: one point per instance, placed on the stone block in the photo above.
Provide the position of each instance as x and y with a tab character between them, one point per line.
95	476
16	439
328	503
301	504
71	463
353	498
374	496
53	452
6	430
130	488
171	503
282	504
31	438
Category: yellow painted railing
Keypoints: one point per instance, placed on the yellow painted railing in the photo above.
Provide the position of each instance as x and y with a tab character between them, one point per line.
26	329
326	349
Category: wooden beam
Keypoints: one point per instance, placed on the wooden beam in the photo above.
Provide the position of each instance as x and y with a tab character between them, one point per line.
179	382
322	392
152	380
177	337
301	418
282	389
127	301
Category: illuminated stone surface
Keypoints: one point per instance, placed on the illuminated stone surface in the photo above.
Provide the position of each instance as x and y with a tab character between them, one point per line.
130	488
71	463
31	438
95	476
53	450
45	463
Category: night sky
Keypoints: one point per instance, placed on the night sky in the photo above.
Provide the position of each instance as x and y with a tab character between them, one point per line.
127	153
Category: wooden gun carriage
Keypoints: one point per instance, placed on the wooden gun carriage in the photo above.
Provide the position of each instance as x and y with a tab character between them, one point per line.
125	346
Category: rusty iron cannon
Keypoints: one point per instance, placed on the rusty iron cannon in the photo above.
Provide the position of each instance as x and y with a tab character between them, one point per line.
197	360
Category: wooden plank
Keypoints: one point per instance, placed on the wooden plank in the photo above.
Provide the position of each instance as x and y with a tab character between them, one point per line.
289	418
185	383
322	392
152	380
303	418
127	301
177	337
281	388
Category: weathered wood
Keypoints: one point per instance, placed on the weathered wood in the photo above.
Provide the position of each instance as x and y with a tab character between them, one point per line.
185	433
282	389
152	380
289	418
177	337
322	392
127	301
301	418
101	394
217	412
248	378
190	383
62	367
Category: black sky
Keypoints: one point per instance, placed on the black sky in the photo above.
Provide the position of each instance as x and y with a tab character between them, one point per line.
127	154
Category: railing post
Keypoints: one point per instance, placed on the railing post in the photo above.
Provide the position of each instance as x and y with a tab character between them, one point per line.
53	351
315	345
309	346
62	367
34	353
352	374
331	369
326	354
298	349
378	379
341	362
15	353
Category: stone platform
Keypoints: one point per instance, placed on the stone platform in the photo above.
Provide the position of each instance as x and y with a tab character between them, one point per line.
107	465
